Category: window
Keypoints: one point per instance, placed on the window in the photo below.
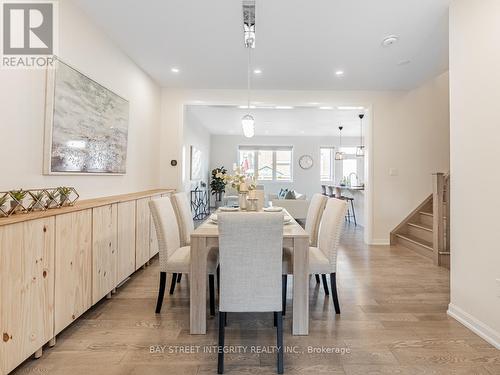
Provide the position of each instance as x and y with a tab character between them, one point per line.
350	165
327	156
266	163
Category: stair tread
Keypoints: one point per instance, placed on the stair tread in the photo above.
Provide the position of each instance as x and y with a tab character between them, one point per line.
421	226
416	240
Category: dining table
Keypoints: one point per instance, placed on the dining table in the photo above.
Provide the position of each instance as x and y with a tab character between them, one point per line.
206	237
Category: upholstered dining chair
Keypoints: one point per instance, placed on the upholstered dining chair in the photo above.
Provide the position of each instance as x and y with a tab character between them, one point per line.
250	261
174	258
314	213
323	257
182	209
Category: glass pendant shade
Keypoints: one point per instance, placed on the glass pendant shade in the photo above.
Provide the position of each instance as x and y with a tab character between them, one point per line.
248	125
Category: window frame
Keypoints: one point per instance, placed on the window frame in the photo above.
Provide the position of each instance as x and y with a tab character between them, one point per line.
274	149
332	163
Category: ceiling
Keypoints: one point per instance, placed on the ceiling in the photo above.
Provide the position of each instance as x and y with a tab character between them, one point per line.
300	44
301	121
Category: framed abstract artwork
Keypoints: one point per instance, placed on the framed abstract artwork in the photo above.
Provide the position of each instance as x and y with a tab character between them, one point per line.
86	125
196	168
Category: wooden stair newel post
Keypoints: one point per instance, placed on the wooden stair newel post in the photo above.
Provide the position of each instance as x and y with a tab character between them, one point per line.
438	215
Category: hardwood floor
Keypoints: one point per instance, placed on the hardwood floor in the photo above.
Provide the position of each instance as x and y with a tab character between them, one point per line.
393	321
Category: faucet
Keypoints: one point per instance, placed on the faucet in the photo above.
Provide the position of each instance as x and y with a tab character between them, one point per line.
350	181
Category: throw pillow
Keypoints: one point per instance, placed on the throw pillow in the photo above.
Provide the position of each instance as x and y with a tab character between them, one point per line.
290	195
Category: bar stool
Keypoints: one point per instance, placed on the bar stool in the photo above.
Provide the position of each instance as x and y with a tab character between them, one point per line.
323	190
331	191
349	213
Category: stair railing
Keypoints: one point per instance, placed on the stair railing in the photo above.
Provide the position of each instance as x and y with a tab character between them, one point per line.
441	216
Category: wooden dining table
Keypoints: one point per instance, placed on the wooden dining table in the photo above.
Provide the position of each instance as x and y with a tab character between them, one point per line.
206	236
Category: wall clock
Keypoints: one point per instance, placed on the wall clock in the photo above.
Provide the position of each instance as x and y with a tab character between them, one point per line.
306	161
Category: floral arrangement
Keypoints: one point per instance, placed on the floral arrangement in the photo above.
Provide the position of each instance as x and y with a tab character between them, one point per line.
240	181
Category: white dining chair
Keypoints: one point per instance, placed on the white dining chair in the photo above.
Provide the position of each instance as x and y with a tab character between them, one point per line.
323	257
313	219
250	256
182	209
174	258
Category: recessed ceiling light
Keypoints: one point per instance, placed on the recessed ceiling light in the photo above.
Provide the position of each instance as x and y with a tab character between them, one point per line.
246	107
175	70
283	107
389	40
325	107
339	73
404	62
257	71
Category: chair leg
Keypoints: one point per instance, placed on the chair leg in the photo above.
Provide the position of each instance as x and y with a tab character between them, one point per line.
161	291
333	282
284	281
325	285
211	288
275	319
279	341
179	277
220	358
172	284
353	213
317	279
218	280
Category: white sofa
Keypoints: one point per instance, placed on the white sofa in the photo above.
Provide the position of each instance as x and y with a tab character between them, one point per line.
297	208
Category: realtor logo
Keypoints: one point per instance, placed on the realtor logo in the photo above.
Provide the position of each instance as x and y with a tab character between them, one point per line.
28	33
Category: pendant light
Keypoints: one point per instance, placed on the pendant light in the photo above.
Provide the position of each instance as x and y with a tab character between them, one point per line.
360	150
247	121
339	155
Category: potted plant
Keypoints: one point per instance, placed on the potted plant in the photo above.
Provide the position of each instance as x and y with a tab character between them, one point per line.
51	201
218	184
64	193
3	200
16	204
37	197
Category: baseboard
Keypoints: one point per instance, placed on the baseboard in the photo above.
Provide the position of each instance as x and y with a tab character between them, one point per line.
379	242
476	326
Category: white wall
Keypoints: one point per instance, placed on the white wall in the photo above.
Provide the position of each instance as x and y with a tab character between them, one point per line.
409	132
22	101
194	134
225	152
475	154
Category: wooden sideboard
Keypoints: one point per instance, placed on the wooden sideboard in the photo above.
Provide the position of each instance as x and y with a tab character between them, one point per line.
56	264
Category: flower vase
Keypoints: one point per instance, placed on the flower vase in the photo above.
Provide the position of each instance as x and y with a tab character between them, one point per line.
242	200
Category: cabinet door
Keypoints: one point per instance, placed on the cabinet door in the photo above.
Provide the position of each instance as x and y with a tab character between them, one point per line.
104	254
153	243
126	240
26	289
143	235
73	273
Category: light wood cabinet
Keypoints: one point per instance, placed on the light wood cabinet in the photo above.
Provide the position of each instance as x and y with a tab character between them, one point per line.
126	240
153	243
104	250
143	238
26	289
55	264
73	267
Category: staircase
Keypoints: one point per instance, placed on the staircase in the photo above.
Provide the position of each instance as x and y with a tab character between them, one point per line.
426	229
